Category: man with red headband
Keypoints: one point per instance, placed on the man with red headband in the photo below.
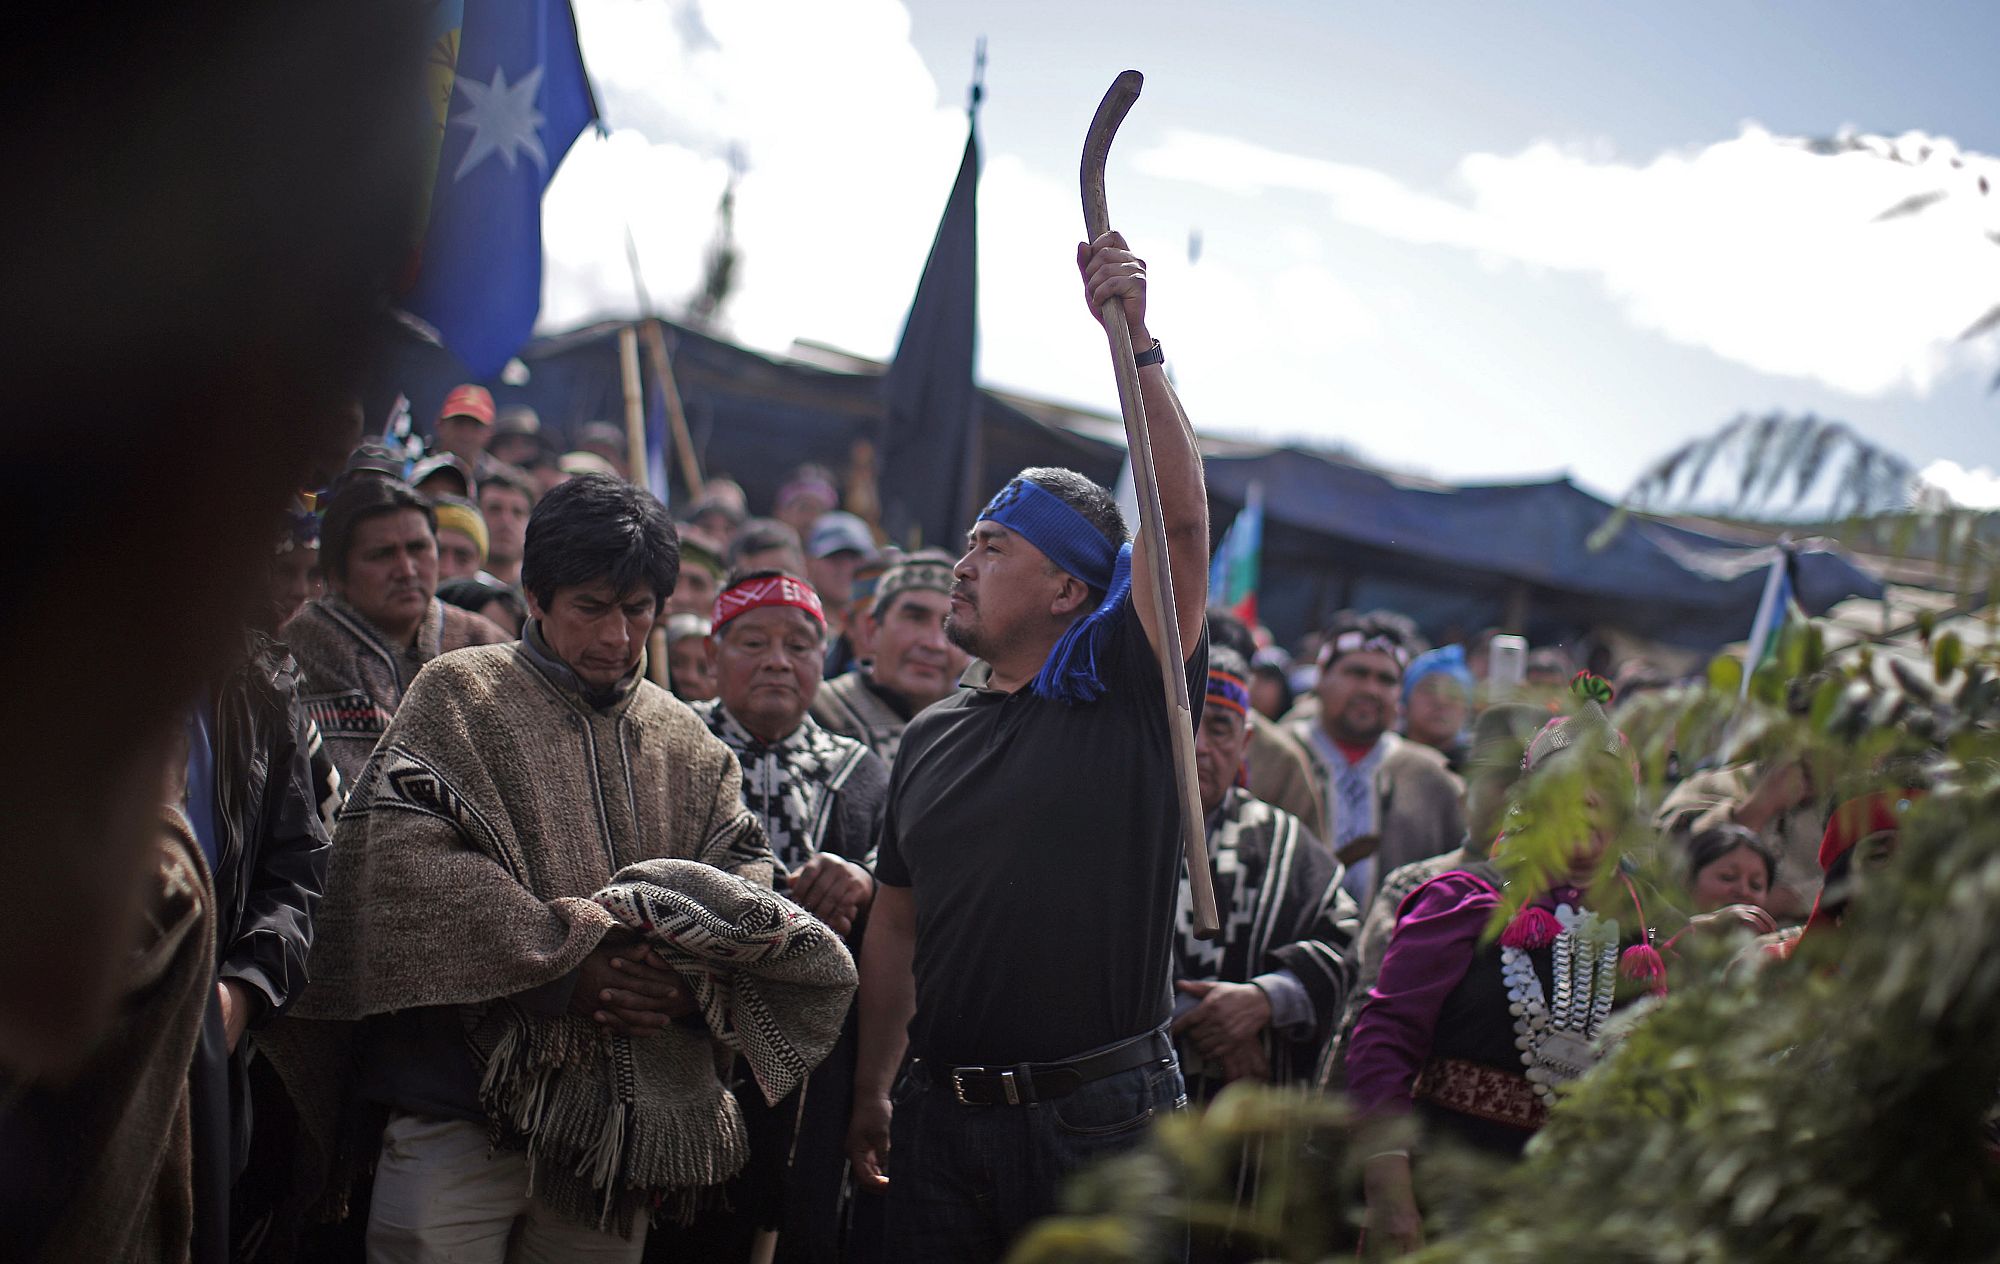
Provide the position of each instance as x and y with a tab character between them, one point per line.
1260	1001
1020	938
819	797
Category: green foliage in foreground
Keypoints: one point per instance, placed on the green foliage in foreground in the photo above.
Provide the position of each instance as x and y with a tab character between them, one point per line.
1830	1108
1834	1107
1134	1209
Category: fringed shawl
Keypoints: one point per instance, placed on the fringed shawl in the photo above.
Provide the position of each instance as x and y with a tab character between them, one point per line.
772	982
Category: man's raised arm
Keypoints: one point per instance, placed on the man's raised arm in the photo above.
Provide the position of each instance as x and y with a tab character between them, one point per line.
1110	270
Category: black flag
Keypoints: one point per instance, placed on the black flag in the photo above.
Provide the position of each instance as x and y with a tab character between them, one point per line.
931	437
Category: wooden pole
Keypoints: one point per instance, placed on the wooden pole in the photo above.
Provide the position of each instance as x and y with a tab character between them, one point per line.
1173	659
635	465
663	371
635	406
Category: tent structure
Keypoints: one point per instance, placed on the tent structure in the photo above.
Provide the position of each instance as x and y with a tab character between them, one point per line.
1338	533
1519	556
752	417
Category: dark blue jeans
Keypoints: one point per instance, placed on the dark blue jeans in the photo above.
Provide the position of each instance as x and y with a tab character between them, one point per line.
965	1181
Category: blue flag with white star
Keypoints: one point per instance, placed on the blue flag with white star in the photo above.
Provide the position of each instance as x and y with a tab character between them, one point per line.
514	97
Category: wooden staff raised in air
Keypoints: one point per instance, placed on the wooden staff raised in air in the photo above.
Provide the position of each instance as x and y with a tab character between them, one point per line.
1152	531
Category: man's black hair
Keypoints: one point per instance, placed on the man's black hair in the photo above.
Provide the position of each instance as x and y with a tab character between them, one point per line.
596	527
1394	628
356	501
1276	674
1098	507
1226	631
759	535
511	477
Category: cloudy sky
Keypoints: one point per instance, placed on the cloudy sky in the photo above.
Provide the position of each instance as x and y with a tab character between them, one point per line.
1476	242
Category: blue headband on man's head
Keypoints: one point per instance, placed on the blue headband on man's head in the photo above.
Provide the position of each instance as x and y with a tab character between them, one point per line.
1047	521
1073	544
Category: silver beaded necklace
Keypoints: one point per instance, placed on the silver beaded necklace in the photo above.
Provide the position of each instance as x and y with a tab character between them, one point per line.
1555	1040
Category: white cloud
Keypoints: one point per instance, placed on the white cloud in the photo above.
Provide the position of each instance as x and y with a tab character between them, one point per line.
851	149
1972	488
1752	248
1755	248
848	151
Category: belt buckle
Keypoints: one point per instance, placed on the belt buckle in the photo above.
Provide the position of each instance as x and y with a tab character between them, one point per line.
958	1075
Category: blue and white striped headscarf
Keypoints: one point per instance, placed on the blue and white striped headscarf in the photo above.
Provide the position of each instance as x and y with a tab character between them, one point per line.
1067	538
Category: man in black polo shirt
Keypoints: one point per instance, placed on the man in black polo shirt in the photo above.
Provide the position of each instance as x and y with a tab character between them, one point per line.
1030	854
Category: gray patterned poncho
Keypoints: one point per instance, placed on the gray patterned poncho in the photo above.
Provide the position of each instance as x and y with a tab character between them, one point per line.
353	679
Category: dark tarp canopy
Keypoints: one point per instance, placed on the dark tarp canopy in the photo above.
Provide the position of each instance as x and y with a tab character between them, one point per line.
1337	533
752	417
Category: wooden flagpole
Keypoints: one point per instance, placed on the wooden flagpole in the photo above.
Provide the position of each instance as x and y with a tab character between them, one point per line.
663	371
635	466
1173	659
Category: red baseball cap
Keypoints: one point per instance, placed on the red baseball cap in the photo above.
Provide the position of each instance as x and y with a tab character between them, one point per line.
468	401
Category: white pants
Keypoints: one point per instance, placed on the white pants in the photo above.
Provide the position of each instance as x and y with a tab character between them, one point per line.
442	1197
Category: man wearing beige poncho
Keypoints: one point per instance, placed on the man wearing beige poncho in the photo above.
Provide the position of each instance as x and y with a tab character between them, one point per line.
548	1075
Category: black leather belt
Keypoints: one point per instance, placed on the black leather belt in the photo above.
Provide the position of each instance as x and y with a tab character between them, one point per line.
1031	1082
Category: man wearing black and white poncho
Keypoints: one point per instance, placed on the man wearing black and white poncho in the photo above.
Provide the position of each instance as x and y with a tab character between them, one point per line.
1260	1001
819	797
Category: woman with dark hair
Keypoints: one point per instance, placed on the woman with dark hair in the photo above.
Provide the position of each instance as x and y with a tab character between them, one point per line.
1729	864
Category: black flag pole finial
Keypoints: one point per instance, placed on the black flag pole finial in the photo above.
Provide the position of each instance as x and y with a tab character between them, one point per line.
978	91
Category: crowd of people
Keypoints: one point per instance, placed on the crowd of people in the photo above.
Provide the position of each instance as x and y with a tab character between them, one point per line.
552	879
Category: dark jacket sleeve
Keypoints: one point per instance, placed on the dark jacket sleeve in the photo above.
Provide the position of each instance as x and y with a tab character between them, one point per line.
1321	954
858	812
274	934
